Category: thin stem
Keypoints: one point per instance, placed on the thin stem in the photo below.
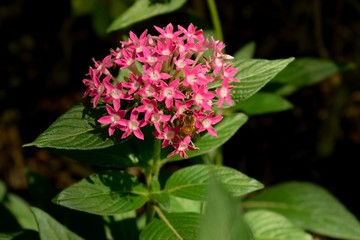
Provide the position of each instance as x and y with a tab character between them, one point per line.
215	19
152	176
164	218
219	158
156	159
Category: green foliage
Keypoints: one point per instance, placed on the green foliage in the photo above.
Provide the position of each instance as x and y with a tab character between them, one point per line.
310	207
173	226
225	129
201	201
142	10
253	74
231	225
263	103
191	182
75	130
105	193
270	225
304	72
49	228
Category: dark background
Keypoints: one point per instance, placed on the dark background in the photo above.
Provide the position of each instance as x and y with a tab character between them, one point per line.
46	49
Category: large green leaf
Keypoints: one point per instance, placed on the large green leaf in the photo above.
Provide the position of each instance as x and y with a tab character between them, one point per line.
225	130
105	193
144	9
49	228
254	74
74	130
174	226
306	72
221	205
262	103
268	225
192	182
20	209
309	206
76	134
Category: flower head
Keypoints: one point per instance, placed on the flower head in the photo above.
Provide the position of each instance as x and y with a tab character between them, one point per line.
164	82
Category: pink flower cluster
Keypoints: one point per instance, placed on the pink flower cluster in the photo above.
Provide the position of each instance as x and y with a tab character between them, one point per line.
163	81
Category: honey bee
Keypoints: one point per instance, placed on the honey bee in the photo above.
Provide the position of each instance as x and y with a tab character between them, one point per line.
187	123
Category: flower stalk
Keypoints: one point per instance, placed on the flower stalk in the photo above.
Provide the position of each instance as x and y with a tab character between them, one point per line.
215	19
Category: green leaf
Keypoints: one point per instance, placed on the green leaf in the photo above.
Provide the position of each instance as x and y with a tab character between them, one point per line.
21	211
246	51
192	182
144	9
268	225
76	134
49	228
221	205
306	72
106	193
254	74
184	205
309	206
225	130
119	155
176	226
74	130
262	103
20	235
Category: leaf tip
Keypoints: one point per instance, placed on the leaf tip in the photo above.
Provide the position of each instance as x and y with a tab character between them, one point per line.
28	144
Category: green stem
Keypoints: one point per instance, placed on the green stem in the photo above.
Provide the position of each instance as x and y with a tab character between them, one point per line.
152	176
215	19
167	222
219	158
156	159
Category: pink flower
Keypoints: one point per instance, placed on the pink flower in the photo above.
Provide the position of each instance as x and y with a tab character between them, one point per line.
133	125
149	107
191	77
115	94
112	119
168	32
154	74
158	118
168	135
224	94
135	42
207	123
170	92
203	98
165	49
103	66
96	88
228	73
133	84
182	147
191	33
170	82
